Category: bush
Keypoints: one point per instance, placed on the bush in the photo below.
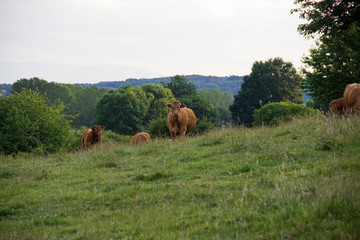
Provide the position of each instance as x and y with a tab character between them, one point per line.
158	128
28	124
203	126
275	113
112	136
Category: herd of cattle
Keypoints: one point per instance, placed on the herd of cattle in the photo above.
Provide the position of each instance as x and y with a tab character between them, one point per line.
180	121
349	103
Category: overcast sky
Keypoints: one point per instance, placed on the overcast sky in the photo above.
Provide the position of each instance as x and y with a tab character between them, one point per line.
77	41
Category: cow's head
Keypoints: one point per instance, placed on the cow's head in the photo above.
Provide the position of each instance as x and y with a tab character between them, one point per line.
97	129
175	108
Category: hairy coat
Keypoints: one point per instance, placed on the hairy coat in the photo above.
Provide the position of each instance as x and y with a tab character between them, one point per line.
352	98
337	106
92	136
140	138
180	121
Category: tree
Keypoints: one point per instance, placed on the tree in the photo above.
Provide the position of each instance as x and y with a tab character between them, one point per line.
221	101
85	104
55	92
161	97
180	86
124	110
271	81
29	124
335	61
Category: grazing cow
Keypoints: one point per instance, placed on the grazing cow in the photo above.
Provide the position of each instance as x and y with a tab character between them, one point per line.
352	98
140	138
180	121
337	106
92	136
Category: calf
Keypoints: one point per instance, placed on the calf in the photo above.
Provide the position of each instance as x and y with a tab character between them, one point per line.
140	138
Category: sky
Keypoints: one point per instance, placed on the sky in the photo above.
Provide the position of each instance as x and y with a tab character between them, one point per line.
88	41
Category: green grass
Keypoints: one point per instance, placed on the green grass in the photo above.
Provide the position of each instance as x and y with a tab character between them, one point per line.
300	180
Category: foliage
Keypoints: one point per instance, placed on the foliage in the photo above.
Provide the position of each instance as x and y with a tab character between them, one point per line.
180	86
279	112
158	128
271	81
80	102
56	92
162	96
230	84
124	110
202	108
237	183
29	124
85	104
203	126
220	100
335	61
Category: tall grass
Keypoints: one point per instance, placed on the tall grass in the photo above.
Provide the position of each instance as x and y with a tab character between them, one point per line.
296	181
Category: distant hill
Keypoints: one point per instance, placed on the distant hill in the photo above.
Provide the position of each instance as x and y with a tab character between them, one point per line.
6	88
229	84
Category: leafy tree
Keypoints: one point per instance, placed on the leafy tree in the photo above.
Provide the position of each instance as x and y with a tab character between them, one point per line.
180	86
276	113
271	81
124	110
335	61
221	101
29	124
161	97
202	108
56	93
85	104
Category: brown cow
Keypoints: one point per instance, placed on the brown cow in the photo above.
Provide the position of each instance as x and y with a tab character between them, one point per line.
337	106
180	121
92	136
140	138
352	98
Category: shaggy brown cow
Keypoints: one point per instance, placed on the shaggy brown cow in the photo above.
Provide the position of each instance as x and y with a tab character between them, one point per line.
337	106
140	138
92	136
180	121
352	98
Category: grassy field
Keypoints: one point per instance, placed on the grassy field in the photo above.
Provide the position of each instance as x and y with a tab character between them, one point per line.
300	180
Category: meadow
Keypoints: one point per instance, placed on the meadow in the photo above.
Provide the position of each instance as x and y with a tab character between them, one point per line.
299	180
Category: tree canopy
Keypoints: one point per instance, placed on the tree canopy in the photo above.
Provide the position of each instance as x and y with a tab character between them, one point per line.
335	61
271	81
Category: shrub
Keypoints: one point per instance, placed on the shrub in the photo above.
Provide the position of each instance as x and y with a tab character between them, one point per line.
203	126
158	128
112	136
275	113
28	124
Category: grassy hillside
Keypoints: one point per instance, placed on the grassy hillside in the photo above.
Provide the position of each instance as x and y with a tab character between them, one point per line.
299	180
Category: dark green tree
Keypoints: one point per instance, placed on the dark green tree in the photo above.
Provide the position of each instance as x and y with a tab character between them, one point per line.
271	81
335	61
180	86
29	124
124	110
